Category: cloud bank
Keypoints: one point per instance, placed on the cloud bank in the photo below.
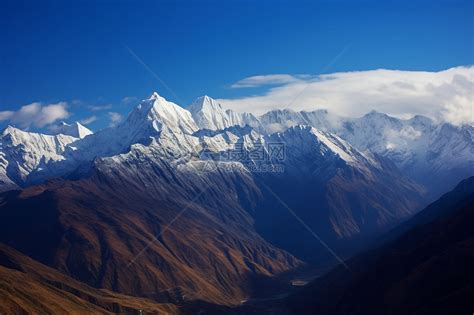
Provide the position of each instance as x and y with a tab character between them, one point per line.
128	100
445	95
270	79
36	115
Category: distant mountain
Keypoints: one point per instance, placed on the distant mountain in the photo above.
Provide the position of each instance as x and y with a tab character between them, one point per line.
281	119
209	114
435	155
74	130
24	153
426	270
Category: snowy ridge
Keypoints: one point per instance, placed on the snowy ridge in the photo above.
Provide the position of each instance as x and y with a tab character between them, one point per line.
282	119
161	112
308	141
209	114
418	146
74	130
430	153
436	155
25	152
152	118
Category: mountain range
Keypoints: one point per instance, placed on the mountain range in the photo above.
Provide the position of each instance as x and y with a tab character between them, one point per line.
206	204
434	155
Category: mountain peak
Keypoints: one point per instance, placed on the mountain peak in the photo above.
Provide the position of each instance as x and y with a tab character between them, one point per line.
74	130
154	96
209	114
161	112
375	113
204	103
9	129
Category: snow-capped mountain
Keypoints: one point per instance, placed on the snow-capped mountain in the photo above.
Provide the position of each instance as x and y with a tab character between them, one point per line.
282	119
302	139
437	155
339	190
243	174
209	114
75	130
154	118
22	153
433	154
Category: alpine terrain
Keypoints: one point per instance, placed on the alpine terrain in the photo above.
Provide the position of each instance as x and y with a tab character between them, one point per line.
176	206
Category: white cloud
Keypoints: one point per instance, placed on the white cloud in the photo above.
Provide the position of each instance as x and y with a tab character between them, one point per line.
99	107
445	95
114	119
88	120
5	115
270	79
128	100
36	114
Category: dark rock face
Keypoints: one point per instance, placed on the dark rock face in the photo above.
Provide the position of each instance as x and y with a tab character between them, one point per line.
425	270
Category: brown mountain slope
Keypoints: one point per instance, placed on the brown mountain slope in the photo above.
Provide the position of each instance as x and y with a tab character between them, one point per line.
159	235
29	287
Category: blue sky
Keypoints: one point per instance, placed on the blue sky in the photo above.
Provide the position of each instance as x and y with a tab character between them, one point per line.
76	53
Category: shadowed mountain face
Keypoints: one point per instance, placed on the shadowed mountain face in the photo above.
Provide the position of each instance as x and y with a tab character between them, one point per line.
426	270
346	198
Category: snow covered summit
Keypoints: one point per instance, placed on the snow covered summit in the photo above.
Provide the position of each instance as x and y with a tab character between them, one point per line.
74	130
209	114
160	113
420	148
